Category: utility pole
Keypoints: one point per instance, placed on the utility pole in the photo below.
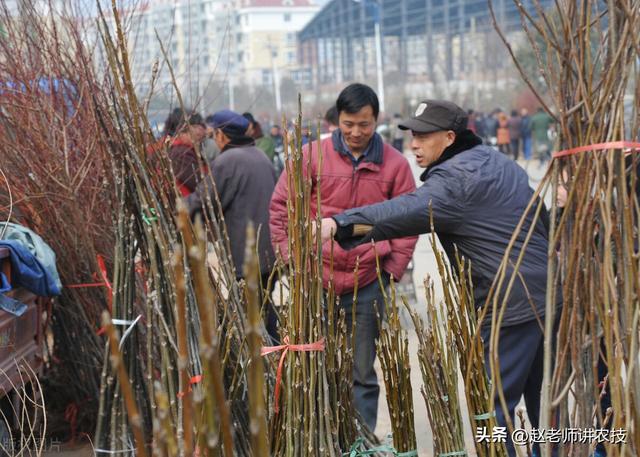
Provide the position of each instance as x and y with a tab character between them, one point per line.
374	7
474	65
378	39
276	77
230	84
379	66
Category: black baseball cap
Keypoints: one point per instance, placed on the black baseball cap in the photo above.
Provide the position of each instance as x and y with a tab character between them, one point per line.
435	116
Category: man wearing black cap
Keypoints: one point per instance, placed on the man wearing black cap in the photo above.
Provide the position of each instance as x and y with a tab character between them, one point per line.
476	197
244	179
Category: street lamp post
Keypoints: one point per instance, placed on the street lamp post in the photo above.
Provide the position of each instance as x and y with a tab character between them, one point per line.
374	7
276	82
276	77
379	69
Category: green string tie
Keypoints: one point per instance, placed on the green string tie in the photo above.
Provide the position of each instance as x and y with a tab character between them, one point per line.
485	416
148	219
355	450
453	454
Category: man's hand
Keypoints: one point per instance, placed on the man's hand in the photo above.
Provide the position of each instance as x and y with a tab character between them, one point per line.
328	229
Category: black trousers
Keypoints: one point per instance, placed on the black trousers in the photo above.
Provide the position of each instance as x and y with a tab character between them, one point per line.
270	315
521	358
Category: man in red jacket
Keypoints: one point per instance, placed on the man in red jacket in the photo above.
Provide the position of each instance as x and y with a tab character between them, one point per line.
358	168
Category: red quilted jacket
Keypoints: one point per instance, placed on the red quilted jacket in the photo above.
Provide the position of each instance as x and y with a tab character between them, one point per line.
382	175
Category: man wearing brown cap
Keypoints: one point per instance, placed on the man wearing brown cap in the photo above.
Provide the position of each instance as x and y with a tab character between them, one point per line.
476	197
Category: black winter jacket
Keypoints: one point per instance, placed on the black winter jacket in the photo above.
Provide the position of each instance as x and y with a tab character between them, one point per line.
478	197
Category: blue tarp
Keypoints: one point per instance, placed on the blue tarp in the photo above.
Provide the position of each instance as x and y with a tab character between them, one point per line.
28	272
11	305
35	244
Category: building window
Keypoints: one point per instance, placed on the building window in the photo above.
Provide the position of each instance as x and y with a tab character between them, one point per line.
291	38
240	56
287	17
266	77
291	57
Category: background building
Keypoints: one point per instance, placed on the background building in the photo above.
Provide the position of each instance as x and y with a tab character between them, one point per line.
265	37
257	55
446	48
223	53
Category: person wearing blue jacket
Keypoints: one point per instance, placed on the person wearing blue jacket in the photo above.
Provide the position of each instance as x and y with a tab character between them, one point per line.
476	197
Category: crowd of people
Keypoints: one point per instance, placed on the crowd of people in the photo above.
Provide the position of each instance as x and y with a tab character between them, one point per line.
516	135
519	135
366	180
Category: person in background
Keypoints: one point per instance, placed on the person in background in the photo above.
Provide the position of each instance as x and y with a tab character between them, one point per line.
397	135
244	180
264	143
278	141
503	139
541	122
276	136
472	121
358	168
184	131
210	149
525	133
331	119
515	125
307	135
481	130
491	127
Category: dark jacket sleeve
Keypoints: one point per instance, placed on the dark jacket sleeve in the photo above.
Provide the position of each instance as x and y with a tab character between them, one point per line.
408	214
401	248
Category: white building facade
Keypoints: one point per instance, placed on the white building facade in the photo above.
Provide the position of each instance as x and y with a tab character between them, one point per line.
215	45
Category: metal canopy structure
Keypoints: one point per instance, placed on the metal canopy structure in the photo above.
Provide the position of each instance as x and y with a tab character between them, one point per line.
343	30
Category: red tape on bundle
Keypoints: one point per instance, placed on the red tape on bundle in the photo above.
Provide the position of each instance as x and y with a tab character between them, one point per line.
71	416
598	147
105	278
105	283
286	347
194	380
86	284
